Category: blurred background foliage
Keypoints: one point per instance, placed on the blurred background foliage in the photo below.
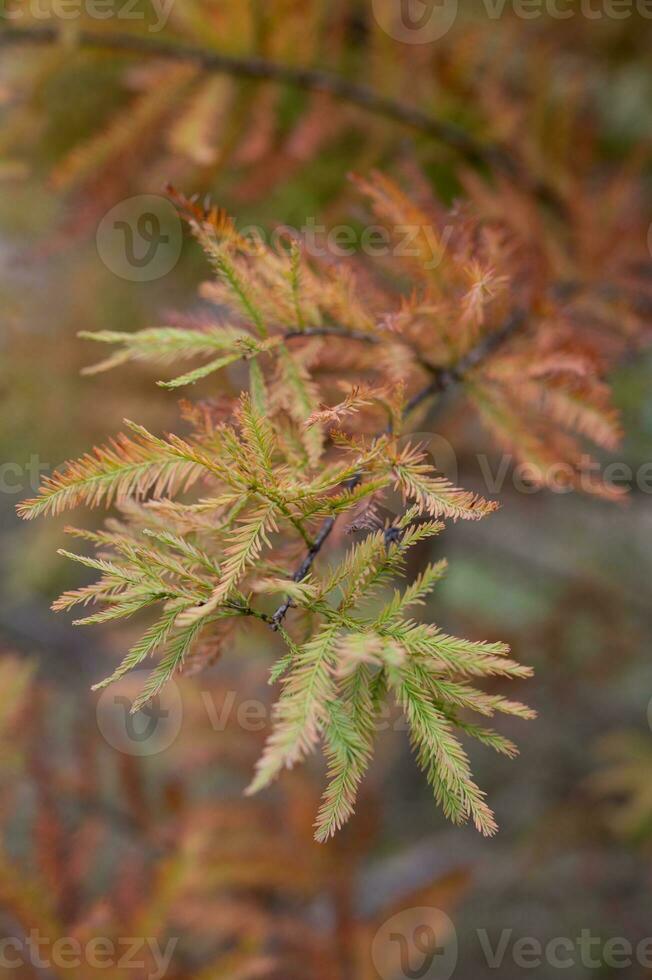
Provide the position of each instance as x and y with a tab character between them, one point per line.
97	842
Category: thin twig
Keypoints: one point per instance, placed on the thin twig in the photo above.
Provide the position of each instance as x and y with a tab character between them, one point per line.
443	379
361	335
496	157
447	377
244	609
307	562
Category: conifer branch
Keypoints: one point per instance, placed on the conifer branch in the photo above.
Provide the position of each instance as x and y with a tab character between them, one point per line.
494	156
265	468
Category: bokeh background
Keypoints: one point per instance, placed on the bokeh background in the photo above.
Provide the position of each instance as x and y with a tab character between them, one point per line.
109	837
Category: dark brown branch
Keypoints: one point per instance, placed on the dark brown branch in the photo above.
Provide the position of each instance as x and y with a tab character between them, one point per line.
443	379
358	335
367	338
494	156
308	561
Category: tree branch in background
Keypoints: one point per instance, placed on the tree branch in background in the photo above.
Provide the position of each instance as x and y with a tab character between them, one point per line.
496	157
